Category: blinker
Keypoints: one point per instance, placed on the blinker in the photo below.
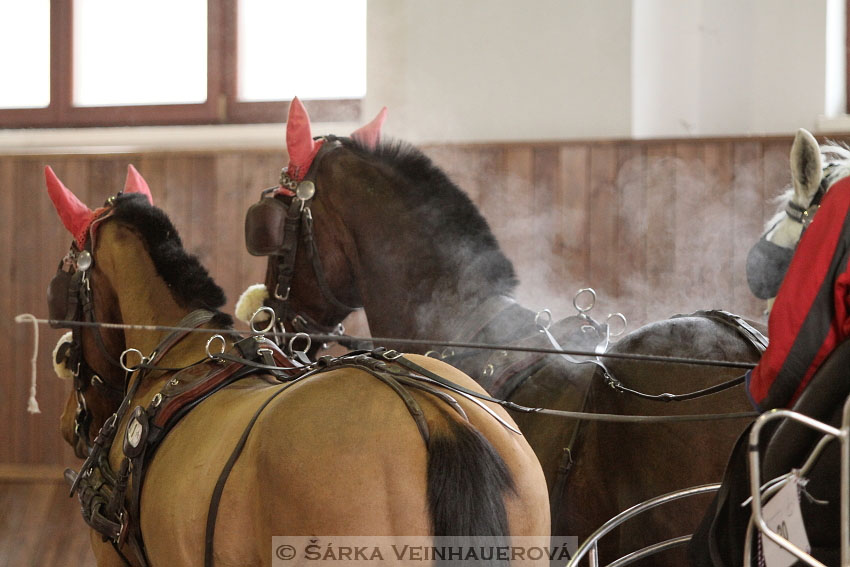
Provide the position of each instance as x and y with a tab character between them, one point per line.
61	297
264	227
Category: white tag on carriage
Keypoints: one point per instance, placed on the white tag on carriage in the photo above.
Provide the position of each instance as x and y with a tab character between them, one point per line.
783	515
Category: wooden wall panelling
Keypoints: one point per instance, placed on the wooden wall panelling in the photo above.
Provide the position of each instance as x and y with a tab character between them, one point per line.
106	177
207	231
9	272
30	281
631	255
514	220
574	227
748	199
177	202
545	241
229	249
660	196
603	226
486	185
716	272
691	215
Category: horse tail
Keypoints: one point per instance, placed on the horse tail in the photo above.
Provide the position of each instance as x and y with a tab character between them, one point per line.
467	484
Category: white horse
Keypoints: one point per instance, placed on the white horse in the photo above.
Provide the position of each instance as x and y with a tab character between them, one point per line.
814	169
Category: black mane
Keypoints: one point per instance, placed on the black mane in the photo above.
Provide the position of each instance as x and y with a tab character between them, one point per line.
183	273
449	211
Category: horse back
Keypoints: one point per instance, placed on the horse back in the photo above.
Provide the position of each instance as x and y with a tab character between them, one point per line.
336	454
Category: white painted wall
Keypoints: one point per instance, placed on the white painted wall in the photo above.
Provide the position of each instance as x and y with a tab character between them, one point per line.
481	70
454	70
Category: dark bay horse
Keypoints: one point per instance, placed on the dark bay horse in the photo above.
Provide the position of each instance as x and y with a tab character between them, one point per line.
205	450
361	223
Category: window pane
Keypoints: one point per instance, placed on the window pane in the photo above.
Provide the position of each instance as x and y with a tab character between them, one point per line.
152	52
25	53
314	49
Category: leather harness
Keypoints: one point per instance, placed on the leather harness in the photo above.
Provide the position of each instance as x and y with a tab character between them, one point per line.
269	231
111	500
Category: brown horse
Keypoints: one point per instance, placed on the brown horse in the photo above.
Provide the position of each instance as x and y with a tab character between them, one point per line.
358	223
205	458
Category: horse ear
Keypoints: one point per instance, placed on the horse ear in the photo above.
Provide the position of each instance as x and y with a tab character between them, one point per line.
370	134
136	183
75	215
806	168
299	140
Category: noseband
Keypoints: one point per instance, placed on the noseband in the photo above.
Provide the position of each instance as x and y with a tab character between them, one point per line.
273	227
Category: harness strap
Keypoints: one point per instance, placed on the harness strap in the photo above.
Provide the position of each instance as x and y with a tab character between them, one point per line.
481	316
559	487
753	336
215	500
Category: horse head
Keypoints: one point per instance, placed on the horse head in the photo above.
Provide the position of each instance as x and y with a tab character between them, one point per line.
310	281
814	169
87	354
126	264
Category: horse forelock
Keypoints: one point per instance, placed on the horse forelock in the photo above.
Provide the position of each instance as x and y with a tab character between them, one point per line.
184	274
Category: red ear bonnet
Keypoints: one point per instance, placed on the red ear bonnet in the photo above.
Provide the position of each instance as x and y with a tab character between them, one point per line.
300	144
370	134
74	214
136	184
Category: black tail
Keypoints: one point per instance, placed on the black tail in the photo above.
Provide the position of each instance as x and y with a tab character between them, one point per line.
467	485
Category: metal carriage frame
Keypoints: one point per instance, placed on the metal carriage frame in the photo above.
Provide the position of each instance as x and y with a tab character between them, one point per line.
760	494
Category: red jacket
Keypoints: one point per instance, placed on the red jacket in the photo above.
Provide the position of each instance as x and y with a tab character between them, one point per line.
810	315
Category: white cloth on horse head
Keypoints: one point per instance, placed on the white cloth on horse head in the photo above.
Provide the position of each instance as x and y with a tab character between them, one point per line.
32	403
250	300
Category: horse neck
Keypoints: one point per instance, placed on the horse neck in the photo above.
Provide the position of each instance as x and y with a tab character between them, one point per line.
142	297
410	291
415	279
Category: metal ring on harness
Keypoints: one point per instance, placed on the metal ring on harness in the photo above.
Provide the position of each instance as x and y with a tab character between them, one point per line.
123	363
209	342
619	316
300	336
270	326
538	318
584	290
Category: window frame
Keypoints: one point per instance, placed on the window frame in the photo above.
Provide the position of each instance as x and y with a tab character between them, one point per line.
221	107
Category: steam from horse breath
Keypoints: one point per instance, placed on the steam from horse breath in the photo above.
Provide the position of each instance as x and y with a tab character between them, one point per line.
681	238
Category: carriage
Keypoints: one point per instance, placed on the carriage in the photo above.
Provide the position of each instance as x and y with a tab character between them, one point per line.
425	298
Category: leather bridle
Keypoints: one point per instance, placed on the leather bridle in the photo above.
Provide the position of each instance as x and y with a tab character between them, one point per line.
70	298
804	216
296	197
